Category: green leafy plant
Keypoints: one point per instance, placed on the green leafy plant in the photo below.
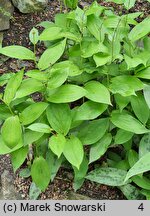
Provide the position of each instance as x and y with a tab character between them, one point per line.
93	84
71	3
128	4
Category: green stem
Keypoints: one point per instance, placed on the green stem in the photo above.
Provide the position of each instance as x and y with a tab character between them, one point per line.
107	79
113	39
100	30
35	62
8	107
60	2
127	14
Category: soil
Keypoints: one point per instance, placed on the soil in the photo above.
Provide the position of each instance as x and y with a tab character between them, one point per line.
62	188
21	24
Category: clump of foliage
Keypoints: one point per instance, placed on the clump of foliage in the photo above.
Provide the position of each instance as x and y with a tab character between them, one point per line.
127	3
93	83
71	3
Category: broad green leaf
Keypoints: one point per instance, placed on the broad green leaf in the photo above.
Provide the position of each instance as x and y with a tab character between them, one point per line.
114	156
72	36
12	86
50	34
89	110
40	173
127	145
94	8
57	144
129	4
112	22
29	86
20	102
5	77
73	151
125	85
66	93
143	191
38	75
61	20
18	157
107	176
141	166
134	61
140	30
122	136
31	136
131	17
40	127
101	59
53	33
89	47
139	104
4	112
32	112
75	123
4	149
93	131
122	164
99	148
146	42
83	78
80	18
142	182
121	101
59	117
146	91
132	157
71	3
57	77
18	52
97	92
145	73
34	35
46	24
128	122
144	146
34	191
51	55
71	67
140	58
94	26
80	174
131	192
11	131
54	163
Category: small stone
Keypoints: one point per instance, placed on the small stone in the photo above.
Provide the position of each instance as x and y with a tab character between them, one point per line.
69	176
6	11
30	6
7	187
75	196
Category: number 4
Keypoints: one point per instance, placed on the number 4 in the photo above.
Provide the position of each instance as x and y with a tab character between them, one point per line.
141	207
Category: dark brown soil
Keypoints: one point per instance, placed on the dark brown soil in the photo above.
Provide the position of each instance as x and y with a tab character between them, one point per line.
61	187
21	24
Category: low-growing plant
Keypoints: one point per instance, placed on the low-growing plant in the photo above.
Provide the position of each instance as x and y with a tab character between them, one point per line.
88	95
128	4
71	3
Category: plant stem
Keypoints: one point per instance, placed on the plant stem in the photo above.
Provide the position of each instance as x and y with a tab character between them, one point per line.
113	39
8	106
